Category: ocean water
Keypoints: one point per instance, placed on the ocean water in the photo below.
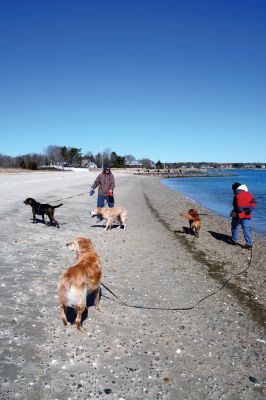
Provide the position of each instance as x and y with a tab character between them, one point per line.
215	193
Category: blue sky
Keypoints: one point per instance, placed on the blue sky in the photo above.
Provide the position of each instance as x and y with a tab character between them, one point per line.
169	80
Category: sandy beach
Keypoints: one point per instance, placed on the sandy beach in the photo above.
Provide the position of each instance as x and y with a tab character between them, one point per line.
213	351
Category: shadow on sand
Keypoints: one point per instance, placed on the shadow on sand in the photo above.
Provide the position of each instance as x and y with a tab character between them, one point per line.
221	236
186	230
47	223
224	238
103	226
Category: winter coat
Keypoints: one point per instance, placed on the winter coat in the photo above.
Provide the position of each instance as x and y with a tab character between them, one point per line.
244	203
105	182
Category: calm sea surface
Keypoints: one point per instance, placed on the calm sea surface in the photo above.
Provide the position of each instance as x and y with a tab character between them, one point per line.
216	193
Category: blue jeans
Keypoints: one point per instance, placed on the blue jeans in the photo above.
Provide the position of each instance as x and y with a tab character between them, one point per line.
245	225
101	200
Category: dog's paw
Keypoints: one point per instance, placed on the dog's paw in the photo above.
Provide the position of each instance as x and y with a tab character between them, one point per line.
81	330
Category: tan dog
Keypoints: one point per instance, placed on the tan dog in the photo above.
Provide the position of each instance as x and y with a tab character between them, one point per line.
111	214
194	221
80	280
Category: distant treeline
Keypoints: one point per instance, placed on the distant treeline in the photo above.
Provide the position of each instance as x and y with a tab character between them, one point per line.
69	157
72	157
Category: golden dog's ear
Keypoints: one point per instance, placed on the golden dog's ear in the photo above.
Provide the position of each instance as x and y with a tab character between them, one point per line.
82	242
193	211
71	246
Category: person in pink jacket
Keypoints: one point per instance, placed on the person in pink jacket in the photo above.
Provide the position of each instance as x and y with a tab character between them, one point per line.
106	184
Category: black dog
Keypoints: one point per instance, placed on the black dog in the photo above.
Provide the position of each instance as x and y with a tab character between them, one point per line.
41	209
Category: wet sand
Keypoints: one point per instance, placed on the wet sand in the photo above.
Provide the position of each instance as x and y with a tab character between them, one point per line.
209	352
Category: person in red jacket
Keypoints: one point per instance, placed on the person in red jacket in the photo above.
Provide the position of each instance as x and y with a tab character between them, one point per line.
243	204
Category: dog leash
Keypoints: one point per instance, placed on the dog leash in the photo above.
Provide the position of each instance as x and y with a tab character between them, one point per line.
187	308
70	197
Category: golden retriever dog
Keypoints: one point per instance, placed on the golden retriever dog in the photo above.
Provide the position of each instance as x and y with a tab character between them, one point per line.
111	215
80	280
194	221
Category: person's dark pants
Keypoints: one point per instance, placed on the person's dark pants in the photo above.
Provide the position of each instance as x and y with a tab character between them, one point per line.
101	200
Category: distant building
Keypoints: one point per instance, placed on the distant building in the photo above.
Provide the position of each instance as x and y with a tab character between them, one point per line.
133	164
85	163
249	166
225	166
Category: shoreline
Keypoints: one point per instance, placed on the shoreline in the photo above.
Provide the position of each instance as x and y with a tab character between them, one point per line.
257	226
207	353
206	249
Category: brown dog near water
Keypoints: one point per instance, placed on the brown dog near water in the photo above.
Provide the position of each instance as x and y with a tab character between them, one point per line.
41	209
80	280
111	215
194	221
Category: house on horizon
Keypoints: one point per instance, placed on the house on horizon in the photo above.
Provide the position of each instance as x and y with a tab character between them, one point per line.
86	163
226	166
249	166
133	164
